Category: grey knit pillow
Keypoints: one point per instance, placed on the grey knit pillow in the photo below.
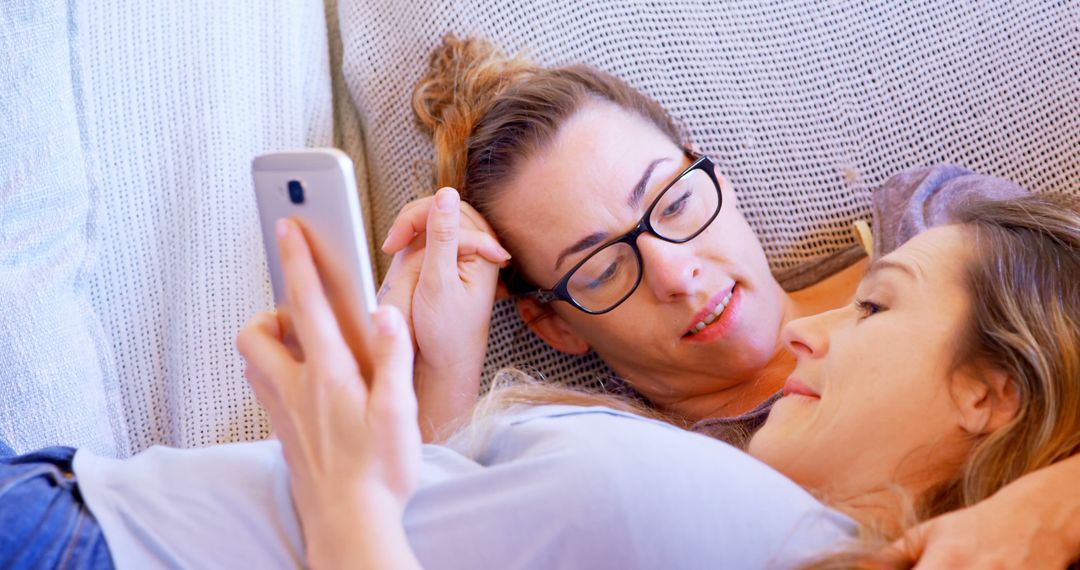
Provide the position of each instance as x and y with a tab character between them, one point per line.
806	106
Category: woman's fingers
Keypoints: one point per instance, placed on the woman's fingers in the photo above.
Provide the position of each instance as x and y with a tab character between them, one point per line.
392	404
317	328
268	360
410	221
911	546
440	264
447	242
288	333
413	219
392	388
475	242
260	343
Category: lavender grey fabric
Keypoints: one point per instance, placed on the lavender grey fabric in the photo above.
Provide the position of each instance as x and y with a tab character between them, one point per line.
921	198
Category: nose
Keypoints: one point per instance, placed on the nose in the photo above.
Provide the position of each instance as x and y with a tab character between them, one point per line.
671	270
808	337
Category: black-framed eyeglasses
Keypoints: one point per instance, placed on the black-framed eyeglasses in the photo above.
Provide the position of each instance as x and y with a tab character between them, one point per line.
612	272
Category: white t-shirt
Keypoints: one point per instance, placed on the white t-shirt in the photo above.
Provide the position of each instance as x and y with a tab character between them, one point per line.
540	487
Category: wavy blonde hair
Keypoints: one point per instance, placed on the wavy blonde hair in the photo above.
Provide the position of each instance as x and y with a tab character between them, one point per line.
1024	286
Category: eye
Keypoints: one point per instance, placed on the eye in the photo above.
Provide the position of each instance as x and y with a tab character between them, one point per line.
676	207
867	308
603	278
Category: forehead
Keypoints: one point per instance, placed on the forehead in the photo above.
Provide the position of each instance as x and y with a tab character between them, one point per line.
938	257
580	183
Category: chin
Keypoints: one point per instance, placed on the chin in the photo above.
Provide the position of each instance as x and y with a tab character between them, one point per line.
782	433
763	448
786	455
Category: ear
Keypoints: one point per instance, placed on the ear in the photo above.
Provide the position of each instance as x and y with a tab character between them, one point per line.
987	400
550	327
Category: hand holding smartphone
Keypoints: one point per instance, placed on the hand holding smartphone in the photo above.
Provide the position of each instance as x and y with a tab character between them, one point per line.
317	188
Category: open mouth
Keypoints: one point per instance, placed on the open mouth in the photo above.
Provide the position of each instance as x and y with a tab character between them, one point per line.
711	315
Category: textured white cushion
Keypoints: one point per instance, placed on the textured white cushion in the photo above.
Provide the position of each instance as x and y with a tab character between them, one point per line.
54	370
184	94
806	106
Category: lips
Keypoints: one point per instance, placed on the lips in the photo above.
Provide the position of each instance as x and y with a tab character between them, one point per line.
795	387
716	318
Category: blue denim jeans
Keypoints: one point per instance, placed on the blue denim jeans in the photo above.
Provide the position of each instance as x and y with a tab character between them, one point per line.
44	522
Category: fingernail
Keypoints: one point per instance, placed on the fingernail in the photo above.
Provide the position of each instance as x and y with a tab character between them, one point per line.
282	228
446	200
385	241
506	255
386	322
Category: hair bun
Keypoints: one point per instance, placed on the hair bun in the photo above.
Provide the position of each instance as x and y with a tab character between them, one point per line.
463	78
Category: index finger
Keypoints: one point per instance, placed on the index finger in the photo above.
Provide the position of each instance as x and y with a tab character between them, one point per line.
412	221
316	327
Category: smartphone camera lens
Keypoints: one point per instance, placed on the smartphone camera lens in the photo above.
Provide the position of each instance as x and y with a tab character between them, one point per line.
296	192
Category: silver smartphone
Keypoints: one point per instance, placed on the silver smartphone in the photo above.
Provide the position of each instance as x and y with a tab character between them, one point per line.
317	188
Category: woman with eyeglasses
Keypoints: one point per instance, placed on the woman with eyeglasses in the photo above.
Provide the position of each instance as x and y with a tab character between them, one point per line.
625	242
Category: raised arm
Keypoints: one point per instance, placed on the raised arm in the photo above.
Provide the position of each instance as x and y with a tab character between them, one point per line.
444	275
351	443
1033	522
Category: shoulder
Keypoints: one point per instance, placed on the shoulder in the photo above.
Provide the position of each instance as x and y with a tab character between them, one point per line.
616	458
644	493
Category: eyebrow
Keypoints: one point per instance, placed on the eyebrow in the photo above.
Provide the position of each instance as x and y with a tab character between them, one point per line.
639	190
881	264
634	201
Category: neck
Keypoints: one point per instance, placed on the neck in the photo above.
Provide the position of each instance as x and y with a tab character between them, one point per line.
738	396
883	510
885	498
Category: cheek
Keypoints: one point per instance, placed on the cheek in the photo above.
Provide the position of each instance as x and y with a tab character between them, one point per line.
731	239
635	332
618	328
899	401
873	371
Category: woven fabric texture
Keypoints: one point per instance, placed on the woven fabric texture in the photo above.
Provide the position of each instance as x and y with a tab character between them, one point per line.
55	385
806	106
145	117
183	96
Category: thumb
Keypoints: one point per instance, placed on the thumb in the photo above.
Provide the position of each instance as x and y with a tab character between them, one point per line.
443	231
392	387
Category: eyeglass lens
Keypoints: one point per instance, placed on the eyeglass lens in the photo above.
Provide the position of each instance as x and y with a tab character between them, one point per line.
611	273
